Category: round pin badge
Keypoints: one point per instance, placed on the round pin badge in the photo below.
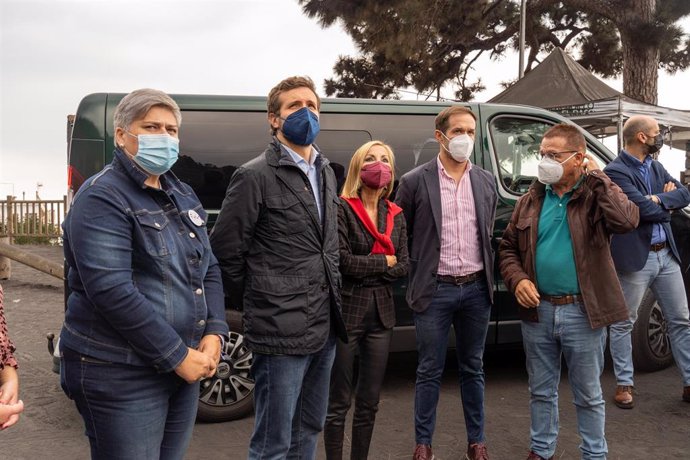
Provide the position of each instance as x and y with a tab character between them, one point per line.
195	218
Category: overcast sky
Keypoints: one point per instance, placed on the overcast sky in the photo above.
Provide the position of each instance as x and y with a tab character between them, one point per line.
54	52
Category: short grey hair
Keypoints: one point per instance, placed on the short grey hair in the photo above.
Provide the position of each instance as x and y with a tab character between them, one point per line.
137	104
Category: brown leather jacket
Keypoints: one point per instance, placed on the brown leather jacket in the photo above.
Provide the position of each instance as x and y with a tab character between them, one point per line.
597	209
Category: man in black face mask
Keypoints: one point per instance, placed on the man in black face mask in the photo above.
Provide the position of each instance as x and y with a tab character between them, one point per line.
648	257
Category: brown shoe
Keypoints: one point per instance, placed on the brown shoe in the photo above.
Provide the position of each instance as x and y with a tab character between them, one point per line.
533	456
477	451
624	397
686	394
423	452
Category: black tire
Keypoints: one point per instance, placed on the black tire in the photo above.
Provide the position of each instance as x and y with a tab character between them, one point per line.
651	345
234	320
229	394
680	226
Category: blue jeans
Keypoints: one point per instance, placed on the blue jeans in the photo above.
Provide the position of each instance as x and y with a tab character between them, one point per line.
130	412
290	402
662	274
564	330
468	308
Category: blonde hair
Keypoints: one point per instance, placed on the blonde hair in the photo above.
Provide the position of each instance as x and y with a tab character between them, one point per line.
353	183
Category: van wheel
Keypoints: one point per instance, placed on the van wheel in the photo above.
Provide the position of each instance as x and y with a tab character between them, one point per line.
229	394
650	342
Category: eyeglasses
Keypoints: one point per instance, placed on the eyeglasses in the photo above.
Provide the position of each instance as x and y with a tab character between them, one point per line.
552	155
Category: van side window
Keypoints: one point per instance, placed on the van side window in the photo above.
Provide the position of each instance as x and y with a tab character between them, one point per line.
214	144
410	136
338	146
515	143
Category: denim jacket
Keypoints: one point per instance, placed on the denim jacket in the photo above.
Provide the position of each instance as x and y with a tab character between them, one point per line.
144	282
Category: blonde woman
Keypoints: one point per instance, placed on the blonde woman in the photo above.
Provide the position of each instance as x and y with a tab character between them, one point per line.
373	253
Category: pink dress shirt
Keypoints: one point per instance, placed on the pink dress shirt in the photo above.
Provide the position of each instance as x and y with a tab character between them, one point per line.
461	252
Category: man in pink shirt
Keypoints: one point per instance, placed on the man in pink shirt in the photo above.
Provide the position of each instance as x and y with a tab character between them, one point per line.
449	205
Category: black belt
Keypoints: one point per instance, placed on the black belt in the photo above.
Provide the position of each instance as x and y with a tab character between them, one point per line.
461	279
561	299
657	247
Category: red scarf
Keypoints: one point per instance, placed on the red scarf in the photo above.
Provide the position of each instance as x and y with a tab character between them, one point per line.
382	241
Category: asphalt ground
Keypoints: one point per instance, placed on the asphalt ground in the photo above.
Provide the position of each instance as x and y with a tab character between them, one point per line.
50	427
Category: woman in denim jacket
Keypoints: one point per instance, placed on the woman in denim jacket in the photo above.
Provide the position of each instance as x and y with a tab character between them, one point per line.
145	315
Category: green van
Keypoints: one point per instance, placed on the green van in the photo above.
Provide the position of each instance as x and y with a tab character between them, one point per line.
220	133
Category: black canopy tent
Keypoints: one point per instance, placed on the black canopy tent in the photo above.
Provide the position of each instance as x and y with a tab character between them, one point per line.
562	85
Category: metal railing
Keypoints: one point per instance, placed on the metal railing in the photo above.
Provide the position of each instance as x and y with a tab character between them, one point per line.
31	218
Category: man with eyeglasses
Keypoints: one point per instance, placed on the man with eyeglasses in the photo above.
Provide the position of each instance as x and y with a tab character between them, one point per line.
555	258
648	257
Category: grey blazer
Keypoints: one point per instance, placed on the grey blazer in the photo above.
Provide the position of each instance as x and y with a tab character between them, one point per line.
419	195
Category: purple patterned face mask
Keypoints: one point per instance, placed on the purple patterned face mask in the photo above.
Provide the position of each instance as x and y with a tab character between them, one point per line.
375	175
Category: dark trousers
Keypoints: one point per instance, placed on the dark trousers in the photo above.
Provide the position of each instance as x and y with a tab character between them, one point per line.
372	341
467	308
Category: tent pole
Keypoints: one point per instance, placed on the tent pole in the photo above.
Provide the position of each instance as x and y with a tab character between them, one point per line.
619	123
523	13
685	175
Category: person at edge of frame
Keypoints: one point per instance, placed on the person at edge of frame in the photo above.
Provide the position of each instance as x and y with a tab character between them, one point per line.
10	404
648	258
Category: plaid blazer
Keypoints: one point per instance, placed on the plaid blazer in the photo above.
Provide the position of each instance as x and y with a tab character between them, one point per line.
366	276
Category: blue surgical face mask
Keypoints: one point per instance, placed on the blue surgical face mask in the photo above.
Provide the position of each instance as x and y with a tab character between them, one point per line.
157	152
301	127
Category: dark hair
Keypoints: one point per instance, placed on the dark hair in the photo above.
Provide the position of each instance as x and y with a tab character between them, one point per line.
570	133
286	85
443	117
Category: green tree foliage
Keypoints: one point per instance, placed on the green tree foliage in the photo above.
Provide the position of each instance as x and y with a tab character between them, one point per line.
418	43
433	44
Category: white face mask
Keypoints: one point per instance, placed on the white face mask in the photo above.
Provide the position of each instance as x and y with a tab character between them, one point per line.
460	147
550	171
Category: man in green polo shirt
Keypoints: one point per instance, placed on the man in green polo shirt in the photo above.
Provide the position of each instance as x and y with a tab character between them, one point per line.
555	258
